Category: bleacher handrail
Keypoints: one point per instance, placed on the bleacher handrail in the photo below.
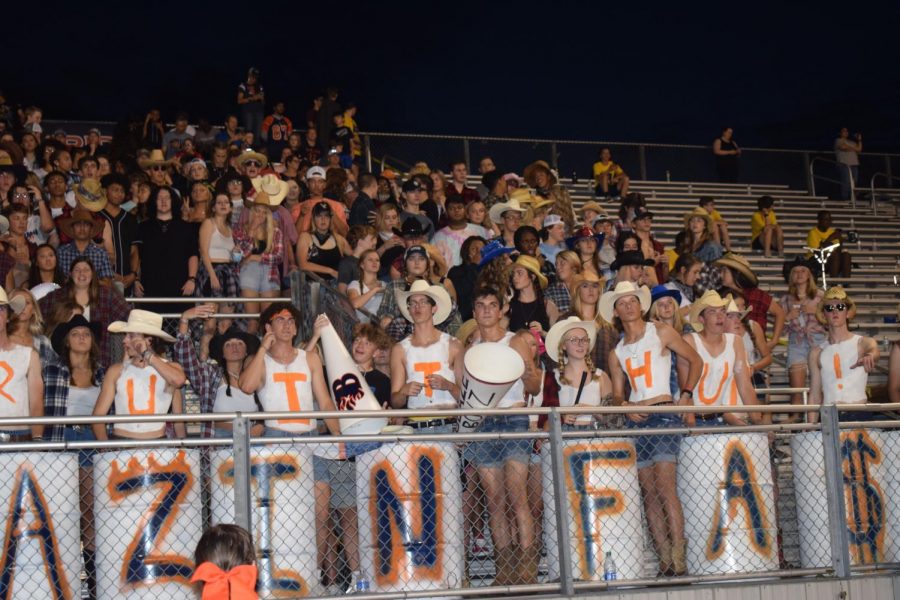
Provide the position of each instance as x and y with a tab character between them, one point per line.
813	176
889	179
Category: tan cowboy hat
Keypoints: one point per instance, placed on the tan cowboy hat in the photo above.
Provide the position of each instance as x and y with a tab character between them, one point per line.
733	308
531	264
836	293
465	331
141	321
738	263
80	215
533	168
594	206
497	210
270	190
710	299
4	299
435	292
559	330
156	159
623	288
698	212
91	195
249	154
585	276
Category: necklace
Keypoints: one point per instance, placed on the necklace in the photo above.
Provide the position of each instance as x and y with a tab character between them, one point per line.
235	375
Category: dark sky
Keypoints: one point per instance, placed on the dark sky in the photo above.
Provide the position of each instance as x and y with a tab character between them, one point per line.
783	76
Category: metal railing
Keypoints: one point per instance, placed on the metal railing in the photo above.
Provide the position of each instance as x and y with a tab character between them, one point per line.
889	178
851	179
820	501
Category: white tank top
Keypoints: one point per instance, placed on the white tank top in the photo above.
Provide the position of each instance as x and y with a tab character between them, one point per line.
840	383
141	391
717	386
220	246
14	392
81	401
590	395
288	388
647	365
238	401
431	360
516	394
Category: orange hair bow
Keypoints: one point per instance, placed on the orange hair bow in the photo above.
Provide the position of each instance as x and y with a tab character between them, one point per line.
237	584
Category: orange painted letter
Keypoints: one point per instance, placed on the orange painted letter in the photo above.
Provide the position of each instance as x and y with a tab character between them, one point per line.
150	409
427	368
644	369
290	380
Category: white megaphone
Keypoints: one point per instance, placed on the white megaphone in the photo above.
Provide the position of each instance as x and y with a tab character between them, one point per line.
348	387
490	369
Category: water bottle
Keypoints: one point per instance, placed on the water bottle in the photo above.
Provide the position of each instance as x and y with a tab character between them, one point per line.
610	573
574	177
362	582
237	256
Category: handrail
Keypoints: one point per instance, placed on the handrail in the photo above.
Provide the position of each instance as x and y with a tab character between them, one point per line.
889	178
812	178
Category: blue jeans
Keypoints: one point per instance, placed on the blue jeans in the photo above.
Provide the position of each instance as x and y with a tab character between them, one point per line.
83	433
844	174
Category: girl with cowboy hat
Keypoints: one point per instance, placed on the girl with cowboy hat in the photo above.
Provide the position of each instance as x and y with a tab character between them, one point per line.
539	176
568	266
585	242
528	308
738	276
585	290
217	385
144	382
699	240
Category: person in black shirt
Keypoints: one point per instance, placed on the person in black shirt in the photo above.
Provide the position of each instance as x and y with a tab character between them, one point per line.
126	258
367	340
364	205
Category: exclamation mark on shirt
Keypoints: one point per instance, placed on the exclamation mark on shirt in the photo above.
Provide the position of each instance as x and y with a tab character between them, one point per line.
837	371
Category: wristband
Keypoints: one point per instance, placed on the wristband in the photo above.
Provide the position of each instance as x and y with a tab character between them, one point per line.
687	391
146	355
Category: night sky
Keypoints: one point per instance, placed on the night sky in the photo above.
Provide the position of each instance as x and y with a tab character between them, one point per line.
781	76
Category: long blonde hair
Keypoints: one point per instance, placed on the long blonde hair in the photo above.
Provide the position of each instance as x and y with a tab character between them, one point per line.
677	320
577	308
270	231
812	290
588	363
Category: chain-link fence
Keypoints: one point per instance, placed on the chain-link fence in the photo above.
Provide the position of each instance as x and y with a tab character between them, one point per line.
563	506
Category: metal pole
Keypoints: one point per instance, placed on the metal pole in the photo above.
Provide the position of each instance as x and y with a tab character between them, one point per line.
466	156
241	449
642	160
368	145
560	494
554	157
852	186
810	186
834	491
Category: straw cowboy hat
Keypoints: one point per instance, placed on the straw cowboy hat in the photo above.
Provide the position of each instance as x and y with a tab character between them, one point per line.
738	263
710	299
270	190
526	198
465	331
733	308
4	225
156	159
497	210
835	293
533	168
531	264
435	292
559	330
91	195
141	321
250	154
80	215
623	288
594	206
586	276
698	212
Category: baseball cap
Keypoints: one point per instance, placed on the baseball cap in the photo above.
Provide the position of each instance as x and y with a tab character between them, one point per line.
413	250
315	172
411	185
412	228
551	220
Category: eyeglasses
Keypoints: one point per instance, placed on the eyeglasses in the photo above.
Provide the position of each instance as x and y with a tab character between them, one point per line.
418	303
578	341
835	307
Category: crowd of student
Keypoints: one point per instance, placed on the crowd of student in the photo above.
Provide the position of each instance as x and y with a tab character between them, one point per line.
599	310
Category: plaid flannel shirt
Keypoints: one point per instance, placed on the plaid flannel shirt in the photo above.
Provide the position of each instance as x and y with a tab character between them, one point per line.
245	242
204	378
57	379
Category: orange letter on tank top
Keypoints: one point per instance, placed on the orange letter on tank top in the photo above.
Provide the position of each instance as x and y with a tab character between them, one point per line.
290	380
837	370
701	387
151	402
427	368
645	370
9	375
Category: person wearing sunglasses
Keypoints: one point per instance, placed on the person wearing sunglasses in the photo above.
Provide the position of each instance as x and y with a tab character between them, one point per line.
839	369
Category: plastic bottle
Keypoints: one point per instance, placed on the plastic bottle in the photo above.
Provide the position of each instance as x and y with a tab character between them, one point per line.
610	573
362	582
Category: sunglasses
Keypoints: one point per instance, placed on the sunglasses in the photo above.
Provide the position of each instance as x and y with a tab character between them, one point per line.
252	163
835	307
158	168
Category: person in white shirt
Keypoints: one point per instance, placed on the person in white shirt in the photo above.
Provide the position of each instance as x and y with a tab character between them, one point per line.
22	390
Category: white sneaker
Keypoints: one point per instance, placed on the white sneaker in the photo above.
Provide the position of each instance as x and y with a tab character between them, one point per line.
351	584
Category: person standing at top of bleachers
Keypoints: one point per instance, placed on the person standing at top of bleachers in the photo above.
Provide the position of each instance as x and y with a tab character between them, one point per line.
728	155
846	153
764	228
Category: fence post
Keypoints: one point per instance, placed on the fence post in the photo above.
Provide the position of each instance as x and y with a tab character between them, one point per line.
367	142
466	156
559	502
834	491
642	159
240	430
554	157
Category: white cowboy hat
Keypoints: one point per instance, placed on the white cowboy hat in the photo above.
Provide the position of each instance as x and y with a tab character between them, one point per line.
710	299
270	190
733	308
141	321
497	210
435	292
559	330
4	299
623	288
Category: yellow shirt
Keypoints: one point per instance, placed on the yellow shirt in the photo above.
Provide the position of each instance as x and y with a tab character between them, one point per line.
716	216
610	169
758	223
350	123
815	238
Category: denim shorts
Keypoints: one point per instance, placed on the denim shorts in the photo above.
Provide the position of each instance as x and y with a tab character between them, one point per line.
652	449
798	349
492	454
84	433
340	475
255	276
